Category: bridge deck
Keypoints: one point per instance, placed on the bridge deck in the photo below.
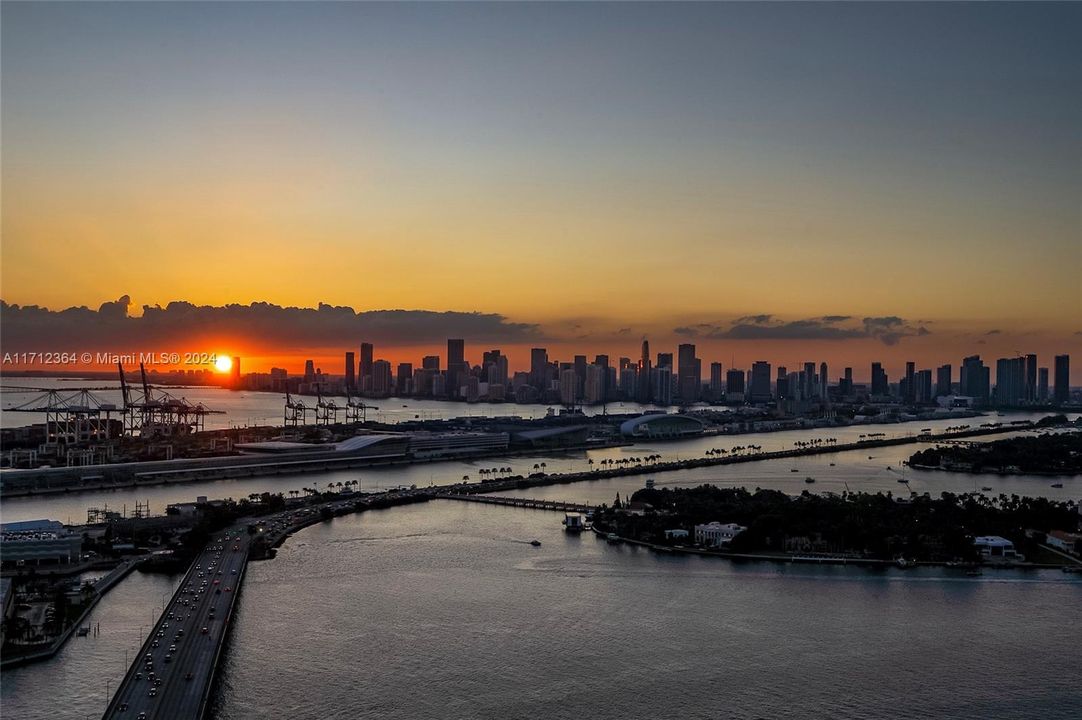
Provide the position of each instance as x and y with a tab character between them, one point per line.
187	677
555	505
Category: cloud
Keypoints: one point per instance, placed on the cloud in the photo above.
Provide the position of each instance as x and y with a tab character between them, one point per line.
993	332
32	328
888	329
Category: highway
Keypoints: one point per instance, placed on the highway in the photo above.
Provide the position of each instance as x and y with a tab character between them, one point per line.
173	673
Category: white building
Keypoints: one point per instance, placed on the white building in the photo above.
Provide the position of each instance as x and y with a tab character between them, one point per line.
38	541
994	547
676	534
716	534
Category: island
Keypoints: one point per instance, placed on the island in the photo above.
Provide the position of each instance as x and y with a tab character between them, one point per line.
1047	454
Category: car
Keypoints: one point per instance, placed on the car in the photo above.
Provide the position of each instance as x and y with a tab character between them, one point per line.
152	692
142	716
227	589
138	676
161	634
216	581
233	571
205	630
123	707
172	648
188	676
154	644
168	658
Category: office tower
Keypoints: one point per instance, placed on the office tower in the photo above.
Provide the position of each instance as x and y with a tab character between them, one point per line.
943	381
689	373
734	385
910	373
594	390
439	385
974	379
629	381
880	384
309	371
760	382
662	391
1061	379
602	361
1042	385
847	383
717	380
568	382
922	386
782	389
351	372
645	389
539	360
580	374
1010	380
431	362
366	363
625	363
665	360
1031	377
236	373
381	378
824	381
808	386
404	379
456	366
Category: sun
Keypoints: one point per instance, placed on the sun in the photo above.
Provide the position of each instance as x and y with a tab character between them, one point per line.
222	363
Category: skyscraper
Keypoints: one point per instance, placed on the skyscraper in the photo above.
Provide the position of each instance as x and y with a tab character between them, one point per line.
1042	385
539	362
824	381
717	381
1010	380
943	381
456	366
689	373
734	386
1031	377
760	382
910	377
1061	379
351	371
974	379
880	384
366	366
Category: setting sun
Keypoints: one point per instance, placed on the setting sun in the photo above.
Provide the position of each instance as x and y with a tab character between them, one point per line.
223	363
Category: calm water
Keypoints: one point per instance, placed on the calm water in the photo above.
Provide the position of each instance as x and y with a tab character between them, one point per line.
852	469
260	408
443	611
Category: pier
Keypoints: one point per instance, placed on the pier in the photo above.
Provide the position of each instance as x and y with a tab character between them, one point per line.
173	673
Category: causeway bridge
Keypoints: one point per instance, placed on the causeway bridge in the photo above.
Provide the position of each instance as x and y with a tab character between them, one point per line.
555	505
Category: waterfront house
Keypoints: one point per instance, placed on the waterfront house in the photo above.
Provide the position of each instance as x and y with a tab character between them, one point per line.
676	534
716	534
1067	542
994	547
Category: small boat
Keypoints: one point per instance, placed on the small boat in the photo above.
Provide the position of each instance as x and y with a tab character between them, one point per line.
1057	485
793	470
84	631
1072	568
974	572
535	543
871	457
831	464
903	481
809	480
573	522
649	483
986	489
613	539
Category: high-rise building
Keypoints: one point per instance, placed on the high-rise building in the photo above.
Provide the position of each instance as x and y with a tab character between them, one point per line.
1061	379
1042	385
910	389
404	379
974	379
824	381
351	372
602	361
662	391
580	374
808	387
644	392
689	373
847	383
236	373
943	381
594	390
309	371
381	378
431	362
539	366
568	383
456	366
1031	377
665	360
366	364
734	385
880	384
717	381
759	390
922	386
1010	380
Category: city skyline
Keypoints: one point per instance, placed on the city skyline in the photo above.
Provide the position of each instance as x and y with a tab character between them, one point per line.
624	171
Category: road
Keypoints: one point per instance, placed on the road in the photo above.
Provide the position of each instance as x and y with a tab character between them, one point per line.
171	677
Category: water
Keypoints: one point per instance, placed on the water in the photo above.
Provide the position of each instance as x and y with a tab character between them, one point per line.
443	611
245	409
853	470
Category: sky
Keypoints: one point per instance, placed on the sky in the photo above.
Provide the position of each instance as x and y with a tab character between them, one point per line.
595	173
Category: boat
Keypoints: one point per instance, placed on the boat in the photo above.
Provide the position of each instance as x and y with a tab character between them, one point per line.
613	539
1072	568
1057	485
649	483
793	470
986	489
974	572
535	543
831	464
903	481
573	522
809	480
